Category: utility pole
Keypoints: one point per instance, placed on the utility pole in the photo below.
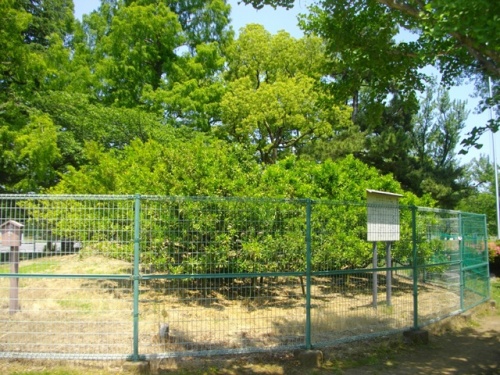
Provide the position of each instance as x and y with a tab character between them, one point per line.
494	164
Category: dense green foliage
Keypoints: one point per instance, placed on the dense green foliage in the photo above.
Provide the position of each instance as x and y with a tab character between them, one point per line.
160	97
134	70
461	38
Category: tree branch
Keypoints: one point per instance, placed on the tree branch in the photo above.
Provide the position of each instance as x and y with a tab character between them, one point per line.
491	65
488	58
404	8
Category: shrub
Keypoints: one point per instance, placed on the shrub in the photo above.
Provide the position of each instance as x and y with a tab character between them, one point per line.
494	256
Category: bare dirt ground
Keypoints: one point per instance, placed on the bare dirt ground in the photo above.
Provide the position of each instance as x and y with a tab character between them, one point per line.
473	349
465	345
460	345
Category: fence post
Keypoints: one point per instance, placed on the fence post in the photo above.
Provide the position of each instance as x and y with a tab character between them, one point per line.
486	260
14	281
308	275
135	276
461	252
388	280
374	275
415	266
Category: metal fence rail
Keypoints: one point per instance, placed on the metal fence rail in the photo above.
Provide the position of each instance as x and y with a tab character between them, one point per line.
115	277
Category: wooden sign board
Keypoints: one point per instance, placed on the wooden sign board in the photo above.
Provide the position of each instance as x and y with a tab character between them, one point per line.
383	216
11	233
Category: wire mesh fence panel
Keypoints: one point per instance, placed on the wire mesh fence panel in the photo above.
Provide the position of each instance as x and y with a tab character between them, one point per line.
71	318
223	274
343	307
475	260
211	236
66	288
57	226
180	317
475	240
438	264
438	292
355	290
103	277
476	286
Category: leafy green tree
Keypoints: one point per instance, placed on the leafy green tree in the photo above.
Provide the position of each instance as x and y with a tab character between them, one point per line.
416	141
203	21
200	235
177	163
31	160
138	49
162	56
14	51
273	101
482	199
14	59
364	54
459	37
48	18
192	98
388	128
457	34
436	136
28	137
117	76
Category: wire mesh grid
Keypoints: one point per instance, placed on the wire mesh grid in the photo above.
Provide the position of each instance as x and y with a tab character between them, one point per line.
68	292
344	307
185	316
61	316
219	277
356	289
103	277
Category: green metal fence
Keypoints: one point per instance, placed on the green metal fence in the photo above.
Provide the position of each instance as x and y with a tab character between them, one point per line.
115	277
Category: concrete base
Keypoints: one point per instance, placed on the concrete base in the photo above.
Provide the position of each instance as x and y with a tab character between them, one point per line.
136	368
310	358
416	336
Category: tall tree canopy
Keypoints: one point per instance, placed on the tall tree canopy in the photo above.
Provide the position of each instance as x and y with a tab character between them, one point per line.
274	101
80	99
139	47
435	138
124	72
32	38
461	38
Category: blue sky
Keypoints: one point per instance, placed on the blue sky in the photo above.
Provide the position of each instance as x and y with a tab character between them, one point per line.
281	19
273	20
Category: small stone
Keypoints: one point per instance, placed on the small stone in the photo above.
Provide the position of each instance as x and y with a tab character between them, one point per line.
416	336
136	368
311	358
164	331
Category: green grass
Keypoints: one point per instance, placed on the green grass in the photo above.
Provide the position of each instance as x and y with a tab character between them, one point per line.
36	267
63	371
40	267
45	372
70	304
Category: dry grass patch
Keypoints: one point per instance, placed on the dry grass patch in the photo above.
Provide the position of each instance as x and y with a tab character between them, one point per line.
94	316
